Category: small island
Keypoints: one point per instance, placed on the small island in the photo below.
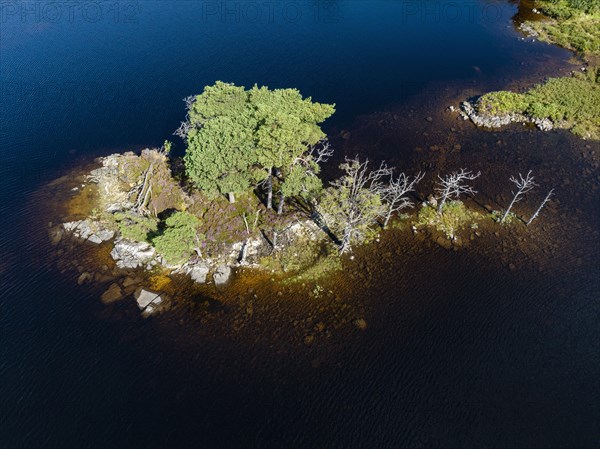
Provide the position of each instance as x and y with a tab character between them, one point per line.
248	193
571	102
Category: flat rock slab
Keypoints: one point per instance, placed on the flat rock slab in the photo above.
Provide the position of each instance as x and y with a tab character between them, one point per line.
145	297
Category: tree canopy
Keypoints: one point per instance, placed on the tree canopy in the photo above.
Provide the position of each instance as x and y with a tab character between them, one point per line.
236	137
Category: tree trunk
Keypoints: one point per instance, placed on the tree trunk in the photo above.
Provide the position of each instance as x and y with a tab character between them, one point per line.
244	252
231	197
509	208
345	245
274	240
387	219
270	189
534	216
442	202
280	205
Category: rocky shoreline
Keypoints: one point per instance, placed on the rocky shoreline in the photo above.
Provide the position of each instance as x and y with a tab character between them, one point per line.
469	112
135	259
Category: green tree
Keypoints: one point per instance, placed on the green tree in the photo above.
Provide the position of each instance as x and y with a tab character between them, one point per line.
221	153
180	238
288	130
237	138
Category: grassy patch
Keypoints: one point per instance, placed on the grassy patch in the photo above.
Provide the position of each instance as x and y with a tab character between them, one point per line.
573	24
454	217
571	102
497	216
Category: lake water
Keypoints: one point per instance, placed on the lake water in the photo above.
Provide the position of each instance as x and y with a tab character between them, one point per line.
496	345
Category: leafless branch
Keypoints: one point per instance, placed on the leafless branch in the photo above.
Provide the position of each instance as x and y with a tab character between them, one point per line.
524	185
395	194
534	216
454	185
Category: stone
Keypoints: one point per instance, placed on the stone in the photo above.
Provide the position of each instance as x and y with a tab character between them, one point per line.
149	302
443	242
113	294
145	297
432	201
309	339
198	273
129	254
89	230
360	323
221	275
56	235
130	281
84	277
429	119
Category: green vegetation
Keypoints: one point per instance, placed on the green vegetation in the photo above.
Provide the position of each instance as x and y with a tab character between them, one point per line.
135	227
572	103
180	238
573	24
454	217
237	138
510	218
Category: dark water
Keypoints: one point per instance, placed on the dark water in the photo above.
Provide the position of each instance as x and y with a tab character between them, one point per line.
462	350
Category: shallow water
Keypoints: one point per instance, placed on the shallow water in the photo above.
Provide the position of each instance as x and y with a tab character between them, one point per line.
495	345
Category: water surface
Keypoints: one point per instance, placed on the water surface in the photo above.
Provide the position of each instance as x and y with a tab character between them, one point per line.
460	351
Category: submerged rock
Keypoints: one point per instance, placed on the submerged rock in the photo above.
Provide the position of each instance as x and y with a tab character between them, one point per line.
221	275
130	254
114	293
360	323
84	277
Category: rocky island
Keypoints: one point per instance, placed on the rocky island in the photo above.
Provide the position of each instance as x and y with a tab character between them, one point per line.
571	102
248	194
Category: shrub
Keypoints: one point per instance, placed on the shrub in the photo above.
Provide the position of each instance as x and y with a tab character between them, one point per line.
179	239
135	227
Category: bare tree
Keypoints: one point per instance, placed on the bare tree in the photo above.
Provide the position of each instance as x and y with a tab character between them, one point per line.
186	126
453	186
321	152
143	192
524	185
534	216
355	201
249	232
395	193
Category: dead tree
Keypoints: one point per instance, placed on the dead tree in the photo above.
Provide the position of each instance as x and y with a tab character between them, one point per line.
394	195
453	186
534	216
358	195
524	185
249	232
186	126
143	191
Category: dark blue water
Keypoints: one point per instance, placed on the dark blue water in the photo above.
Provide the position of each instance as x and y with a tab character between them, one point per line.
453	366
